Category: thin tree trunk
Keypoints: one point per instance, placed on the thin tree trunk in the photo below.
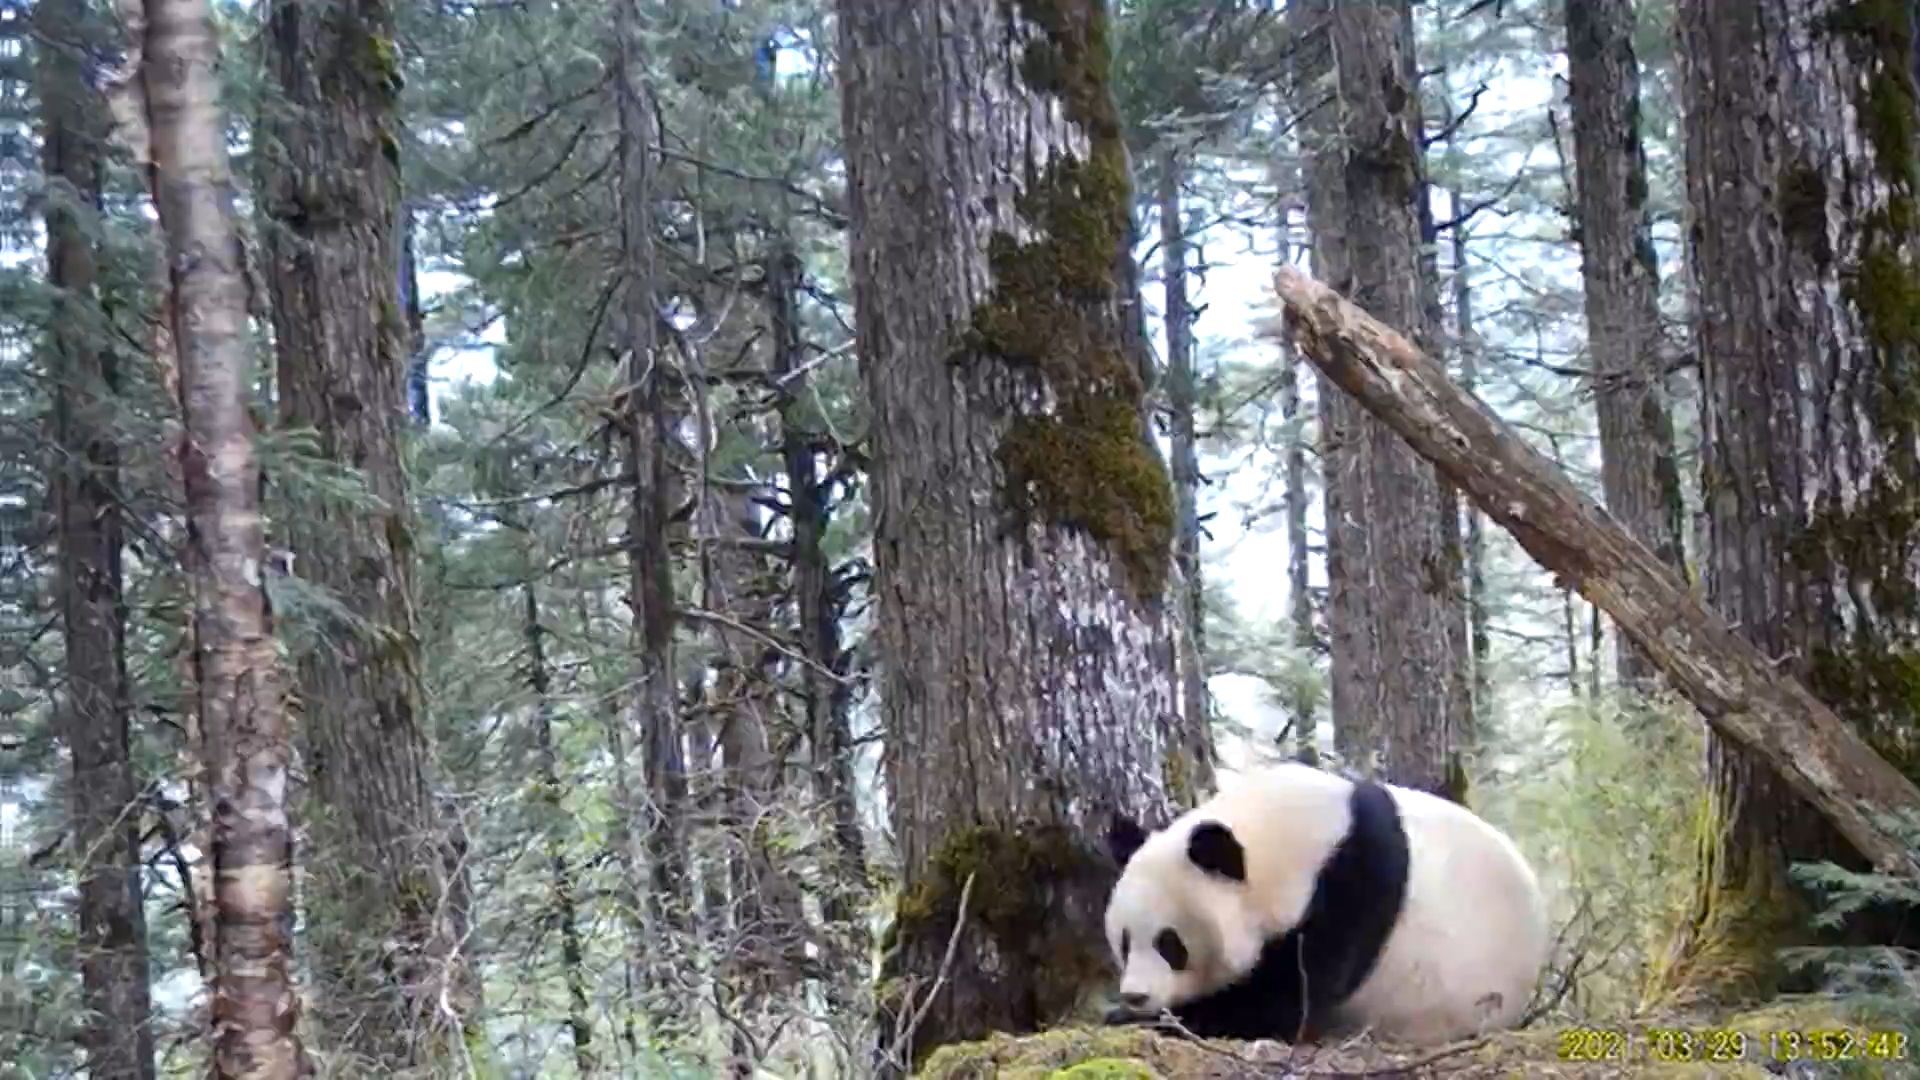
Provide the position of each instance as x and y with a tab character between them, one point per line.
419	395
826	692
552	795
1596	642
393	990
1306	639
1731	682
1621	274
1801	179
1343	450
772	923
1410	682
1194	701
710	866
1570	632
242	691
668	902
765	946
106	823
1023	520
1467	348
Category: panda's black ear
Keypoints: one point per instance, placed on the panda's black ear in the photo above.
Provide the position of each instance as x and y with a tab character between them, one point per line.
1212	847
1124	837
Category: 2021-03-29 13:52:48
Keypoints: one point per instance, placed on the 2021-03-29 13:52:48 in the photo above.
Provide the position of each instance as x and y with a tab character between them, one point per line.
1730	1045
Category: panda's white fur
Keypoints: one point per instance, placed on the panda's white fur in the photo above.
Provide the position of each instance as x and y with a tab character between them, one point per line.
1463	953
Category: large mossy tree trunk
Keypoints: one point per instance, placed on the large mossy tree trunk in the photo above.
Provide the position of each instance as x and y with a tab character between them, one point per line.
86	477
1801	177
1023	519
1622	289
1397	612
246	740
392	987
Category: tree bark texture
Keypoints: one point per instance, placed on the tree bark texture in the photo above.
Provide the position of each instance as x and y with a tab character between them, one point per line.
1023	521
330	190
820	597
1802	186
552	797
1474	540
1622	289
1732	683
106	822
1300	606
1343	452
1400	688
1195	703
242	691
668	902
766	950
419	371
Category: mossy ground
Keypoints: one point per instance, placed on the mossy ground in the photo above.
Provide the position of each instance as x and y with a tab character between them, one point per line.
1104	1053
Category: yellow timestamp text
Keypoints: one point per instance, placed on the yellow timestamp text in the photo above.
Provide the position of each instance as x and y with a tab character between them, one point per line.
1838	1044
1716	1045
1594	1044
1709	1045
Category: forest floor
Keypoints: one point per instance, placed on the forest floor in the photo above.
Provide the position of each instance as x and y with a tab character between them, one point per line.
1543	1050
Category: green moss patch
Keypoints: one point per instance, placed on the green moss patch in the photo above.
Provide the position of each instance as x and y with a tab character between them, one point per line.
1036	899
1010	869
1085	462
1876	683
1633	1048
1090	1053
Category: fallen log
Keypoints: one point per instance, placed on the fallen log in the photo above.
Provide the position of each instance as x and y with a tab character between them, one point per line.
1731	682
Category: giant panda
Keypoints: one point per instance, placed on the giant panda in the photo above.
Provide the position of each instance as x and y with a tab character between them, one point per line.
1297	905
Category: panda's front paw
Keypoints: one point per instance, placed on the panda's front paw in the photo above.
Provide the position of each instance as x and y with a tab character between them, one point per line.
1118	1014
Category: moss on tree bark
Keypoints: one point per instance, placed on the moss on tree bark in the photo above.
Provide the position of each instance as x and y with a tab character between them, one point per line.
1023	517
1802	175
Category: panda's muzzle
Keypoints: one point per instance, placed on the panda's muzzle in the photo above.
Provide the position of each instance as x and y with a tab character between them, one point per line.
1131	1009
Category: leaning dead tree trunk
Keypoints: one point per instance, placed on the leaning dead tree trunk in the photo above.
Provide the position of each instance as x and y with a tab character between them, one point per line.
1727	679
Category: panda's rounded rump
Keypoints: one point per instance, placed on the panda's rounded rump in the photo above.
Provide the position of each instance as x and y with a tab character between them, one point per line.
1472	937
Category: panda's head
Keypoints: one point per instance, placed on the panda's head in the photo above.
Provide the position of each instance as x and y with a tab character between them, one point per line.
1181	921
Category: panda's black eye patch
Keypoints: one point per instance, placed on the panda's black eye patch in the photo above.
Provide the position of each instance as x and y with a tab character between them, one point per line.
1171	949
1126	943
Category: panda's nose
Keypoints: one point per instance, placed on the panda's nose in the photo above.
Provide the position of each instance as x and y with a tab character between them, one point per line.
1134	1001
